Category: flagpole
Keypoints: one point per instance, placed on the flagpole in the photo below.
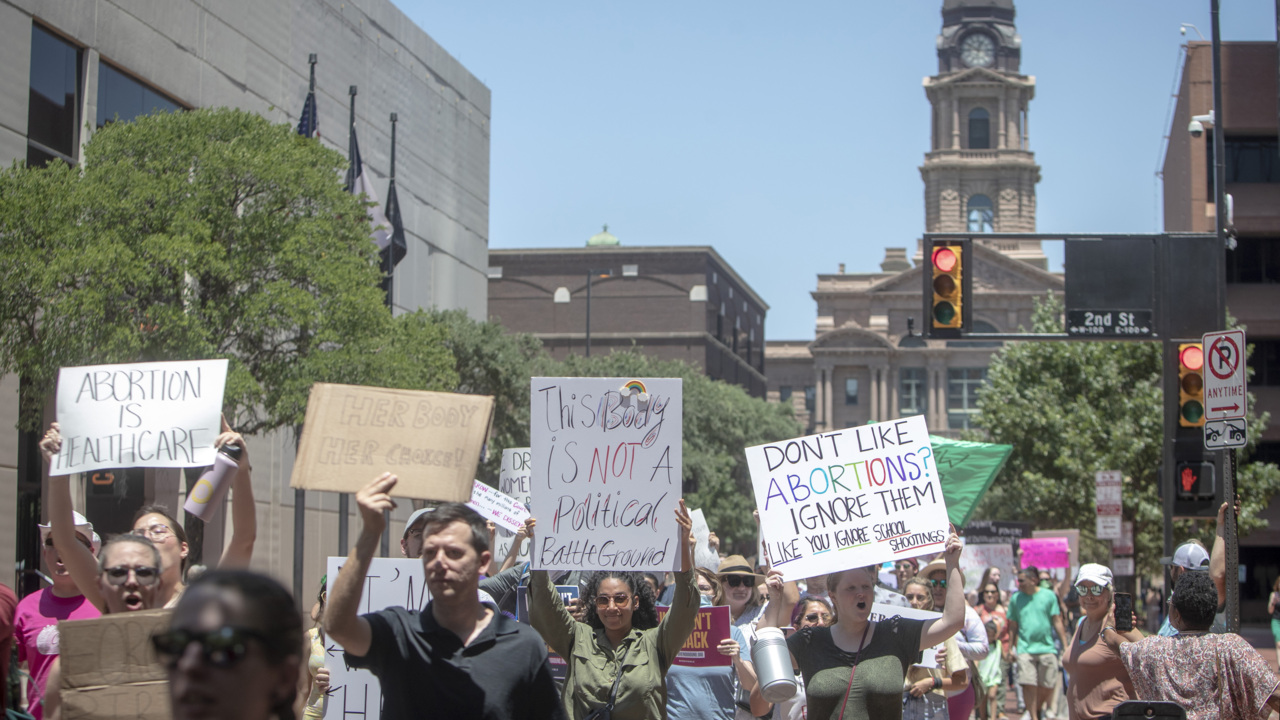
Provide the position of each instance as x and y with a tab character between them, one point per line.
312	59
390	266
300	495
343	498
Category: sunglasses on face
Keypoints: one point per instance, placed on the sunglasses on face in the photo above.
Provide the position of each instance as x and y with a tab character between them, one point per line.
734	581
220	648
118	575
814	617
621	600
155	533
1096	590
938	583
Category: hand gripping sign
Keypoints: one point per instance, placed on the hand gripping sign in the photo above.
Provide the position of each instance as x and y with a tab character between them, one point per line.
849	498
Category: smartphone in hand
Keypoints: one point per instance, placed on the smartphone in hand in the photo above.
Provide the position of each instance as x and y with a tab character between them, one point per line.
1124	612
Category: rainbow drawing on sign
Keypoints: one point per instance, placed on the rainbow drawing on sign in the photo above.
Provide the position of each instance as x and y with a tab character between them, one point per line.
634	386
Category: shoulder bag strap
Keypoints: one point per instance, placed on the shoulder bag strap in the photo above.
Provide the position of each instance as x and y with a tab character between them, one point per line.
613	694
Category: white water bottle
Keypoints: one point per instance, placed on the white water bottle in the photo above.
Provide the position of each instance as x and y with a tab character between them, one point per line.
772	660
207	494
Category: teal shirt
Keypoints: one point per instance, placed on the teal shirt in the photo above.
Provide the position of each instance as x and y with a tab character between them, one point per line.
1034	615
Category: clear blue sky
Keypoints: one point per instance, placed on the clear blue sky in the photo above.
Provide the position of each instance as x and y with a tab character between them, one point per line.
788	135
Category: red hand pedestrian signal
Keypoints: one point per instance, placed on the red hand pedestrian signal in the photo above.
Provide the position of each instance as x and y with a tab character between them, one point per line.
1188	479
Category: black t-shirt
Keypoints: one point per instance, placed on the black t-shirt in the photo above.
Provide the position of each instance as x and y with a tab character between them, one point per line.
877	684
426	671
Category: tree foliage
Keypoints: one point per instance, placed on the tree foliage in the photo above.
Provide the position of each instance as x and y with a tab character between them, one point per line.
202	234
1070	409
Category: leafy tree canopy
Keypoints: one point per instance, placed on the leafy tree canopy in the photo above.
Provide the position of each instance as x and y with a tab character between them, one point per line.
1070	409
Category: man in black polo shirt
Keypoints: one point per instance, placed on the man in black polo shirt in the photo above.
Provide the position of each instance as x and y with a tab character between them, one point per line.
458	658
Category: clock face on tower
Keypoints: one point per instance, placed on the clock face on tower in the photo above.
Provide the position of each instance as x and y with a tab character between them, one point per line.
977	50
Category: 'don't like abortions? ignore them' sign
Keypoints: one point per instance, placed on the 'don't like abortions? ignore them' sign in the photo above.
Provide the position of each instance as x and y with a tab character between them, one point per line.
162	414
606	475
849	498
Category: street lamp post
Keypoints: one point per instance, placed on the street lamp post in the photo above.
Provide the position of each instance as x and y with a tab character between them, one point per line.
591	274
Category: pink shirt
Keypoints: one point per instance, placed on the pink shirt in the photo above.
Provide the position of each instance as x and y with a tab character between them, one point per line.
35	630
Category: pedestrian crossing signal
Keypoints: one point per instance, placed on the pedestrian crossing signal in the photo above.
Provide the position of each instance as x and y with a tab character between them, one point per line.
1191	385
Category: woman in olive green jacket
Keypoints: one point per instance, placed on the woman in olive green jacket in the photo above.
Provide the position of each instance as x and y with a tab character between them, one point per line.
623	631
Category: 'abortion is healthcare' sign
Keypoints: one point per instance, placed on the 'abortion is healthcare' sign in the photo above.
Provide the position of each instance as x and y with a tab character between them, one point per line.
849	498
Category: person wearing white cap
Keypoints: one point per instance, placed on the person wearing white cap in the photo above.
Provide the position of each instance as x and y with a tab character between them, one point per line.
1191	555
35	626
411	540
1099	681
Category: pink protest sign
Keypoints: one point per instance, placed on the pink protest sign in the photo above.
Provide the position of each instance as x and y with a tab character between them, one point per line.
1045	552
711	628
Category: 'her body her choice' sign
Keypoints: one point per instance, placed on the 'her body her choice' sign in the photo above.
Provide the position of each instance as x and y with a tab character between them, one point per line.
164	414
110	670
513	480
848	498
1050	552
606	474
391	582
431	440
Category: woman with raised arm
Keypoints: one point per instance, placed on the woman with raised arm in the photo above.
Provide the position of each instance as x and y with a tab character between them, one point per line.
618	658
855	668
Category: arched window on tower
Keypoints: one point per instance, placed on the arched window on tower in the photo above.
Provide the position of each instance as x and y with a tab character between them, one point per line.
979	129
982	217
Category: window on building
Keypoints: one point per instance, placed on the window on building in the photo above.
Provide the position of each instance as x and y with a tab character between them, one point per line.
851	391
1267	452
1250	159
630	270
53	100
1255	260
810	397
784	393
962	395
979	129
982	215
561	295
1264	361
912	392
120	97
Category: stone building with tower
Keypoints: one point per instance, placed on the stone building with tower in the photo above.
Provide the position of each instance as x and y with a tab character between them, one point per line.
866	364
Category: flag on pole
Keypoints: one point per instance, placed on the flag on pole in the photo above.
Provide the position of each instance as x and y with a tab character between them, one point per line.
358	182
309	124
397	246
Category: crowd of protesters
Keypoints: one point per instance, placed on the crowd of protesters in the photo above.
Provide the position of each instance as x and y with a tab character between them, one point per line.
235	645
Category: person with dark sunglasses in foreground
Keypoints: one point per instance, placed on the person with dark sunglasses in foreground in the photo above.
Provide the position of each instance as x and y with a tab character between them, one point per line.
233	649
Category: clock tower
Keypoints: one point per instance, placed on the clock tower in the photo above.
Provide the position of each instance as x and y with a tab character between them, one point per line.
980	175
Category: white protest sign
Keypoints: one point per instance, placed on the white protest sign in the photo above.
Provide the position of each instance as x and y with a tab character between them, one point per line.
391	582
881	612
975	560
849	498
513	480
703	555
504	510
607	473
164	414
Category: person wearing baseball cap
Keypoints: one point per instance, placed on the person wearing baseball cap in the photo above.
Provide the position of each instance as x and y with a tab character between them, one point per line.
411	540
1191	556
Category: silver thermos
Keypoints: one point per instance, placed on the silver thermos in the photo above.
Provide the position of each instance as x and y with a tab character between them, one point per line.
772	661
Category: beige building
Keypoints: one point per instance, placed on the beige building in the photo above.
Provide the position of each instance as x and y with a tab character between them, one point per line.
980	177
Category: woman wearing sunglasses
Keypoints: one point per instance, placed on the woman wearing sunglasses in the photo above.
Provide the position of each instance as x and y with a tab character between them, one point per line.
1099	681
925	690
972	638
234	649
995	667
618	658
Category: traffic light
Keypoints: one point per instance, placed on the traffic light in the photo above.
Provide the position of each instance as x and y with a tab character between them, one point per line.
947	288
1190	385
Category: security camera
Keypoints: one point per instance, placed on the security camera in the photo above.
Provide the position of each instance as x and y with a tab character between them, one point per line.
1199	123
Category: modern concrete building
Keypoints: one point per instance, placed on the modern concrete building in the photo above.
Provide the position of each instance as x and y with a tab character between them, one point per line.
672	303
979	177
66	68
1248	120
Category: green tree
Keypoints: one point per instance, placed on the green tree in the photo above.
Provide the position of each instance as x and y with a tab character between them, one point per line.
1070	409
719	420
202	234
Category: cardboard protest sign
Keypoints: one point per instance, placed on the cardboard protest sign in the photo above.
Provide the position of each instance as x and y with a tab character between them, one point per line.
709	630
110	670
975	560
607	473
505	511
164	414
881	612
848	498
703	555
1045	552
432	441
513	480
559	668
391	582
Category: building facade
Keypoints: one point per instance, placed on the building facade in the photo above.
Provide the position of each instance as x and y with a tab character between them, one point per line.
1248	120
70	67
671	303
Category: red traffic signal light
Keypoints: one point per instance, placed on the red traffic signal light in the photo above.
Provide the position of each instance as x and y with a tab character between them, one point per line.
1190	385
948	295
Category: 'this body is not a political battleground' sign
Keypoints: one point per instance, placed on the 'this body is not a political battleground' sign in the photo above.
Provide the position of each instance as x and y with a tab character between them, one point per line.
163	414
606	473
849	498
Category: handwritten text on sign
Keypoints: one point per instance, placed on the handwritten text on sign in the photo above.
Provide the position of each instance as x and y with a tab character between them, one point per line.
848	498
606	473
504	510
1045	552
709	630
513	480
140	415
